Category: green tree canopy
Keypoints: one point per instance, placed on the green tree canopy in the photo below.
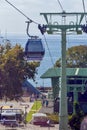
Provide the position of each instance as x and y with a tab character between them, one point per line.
13	70
76	56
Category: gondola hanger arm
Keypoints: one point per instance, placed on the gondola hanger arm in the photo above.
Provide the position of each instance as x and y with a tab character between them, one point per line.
27	30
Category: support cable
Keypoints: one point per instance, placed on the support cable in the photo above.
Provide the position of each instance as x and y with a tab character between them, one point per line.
60	5
50	54
84	10
41	28
21	12
49	50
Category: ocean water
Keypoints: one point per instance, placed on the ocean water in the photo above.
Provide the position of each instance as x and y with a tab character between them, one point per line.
52	52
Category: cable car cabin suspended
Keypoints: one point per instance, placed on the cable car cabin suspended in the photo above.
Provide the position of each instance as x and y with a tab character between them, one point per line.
34	50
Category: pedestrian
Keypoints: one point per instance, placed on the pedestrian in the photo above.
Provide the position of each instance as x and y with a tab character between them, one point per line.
43	102
46	103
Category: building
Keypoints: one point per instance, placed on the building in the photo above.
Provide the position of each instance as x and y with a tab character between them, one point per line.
76	86
29	89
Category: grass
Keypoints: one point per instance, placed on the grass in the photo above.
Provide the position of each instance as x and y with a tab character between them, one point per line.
36	106
53	117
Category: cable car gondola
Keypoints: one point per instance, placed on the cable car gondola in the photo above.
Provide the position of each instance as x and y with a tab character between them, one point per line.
34	49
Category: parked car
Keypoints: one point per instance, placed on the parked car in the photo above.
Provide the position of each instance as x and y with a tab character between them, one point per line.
40	119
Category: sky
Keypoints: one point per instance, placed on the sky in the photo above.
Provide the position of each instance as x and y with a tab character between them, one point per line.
11	21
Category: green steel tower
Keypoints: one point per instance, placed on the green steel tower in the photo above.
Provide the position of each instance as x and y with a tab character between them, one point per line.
63	23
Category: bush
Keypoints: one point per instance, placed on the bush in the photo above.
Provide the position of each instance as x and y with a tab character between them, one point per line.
76	118
36	106
53	118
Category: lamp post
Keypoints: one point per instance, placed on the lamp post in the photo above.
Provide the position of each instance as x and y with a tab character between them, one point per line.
25	111
36	96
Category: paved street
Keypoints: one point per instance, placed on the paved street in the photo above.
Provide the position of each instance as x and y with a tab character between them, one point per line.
48	109
29	127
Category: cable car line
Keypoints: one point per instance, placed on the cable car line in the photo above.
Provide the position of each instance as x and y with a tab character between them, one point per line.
49	53
21	12
41	28
60	5
48	50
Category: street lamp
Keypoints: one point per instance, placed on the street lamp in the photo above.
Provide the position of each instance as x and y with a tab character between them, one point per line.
36	96
25	111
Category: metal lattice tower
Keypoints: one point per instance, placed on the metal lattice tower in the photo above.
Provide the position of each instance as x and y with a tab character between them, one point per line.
63	23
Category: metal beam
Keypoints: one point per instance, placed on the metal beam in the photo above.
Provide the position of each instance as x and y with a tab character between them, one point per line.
66	13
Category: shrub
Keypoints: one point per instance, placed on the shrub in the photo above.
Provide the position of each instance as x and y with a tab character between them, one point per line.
53	117
76	118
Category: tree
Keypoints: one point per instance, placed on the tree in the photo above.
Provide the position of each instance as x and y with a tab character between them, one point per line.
13	70
75	57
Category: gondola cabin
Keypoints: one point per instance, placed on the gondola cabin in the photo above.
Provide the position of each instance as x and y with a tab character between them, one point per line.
34	50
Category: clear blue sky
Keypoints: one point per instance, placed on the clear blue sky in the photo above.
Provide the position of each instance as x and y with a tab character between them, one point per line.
13	22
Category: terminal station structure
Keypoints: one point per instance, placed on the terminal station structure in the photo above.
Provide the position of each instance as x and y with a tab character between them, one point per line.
76	86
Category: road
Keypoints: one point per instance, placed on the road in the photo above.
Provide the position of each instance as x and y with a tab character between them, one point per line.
30	127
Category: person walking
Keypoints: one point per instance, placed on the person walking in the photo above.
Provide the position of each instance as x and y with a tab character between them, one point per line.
47	103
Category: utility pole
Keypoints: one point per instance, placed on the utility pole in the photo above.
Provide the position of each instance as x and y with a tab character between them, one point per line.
71	22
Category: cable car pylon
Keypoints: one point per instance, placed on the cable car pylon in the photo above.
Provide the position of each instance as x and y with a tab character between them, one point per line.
63	28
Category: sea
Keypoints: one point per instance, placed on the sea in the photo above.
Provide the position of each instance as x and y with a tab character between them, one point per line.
52	45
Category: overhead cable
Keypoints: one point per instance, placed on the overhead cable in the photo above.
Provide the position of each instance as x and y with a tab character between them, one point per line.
21	12
50	54
41	28
60	5
49	50
84	10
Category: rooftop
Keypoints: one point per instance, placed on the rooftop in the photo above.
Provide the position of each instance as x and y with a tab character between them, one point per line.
56	72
